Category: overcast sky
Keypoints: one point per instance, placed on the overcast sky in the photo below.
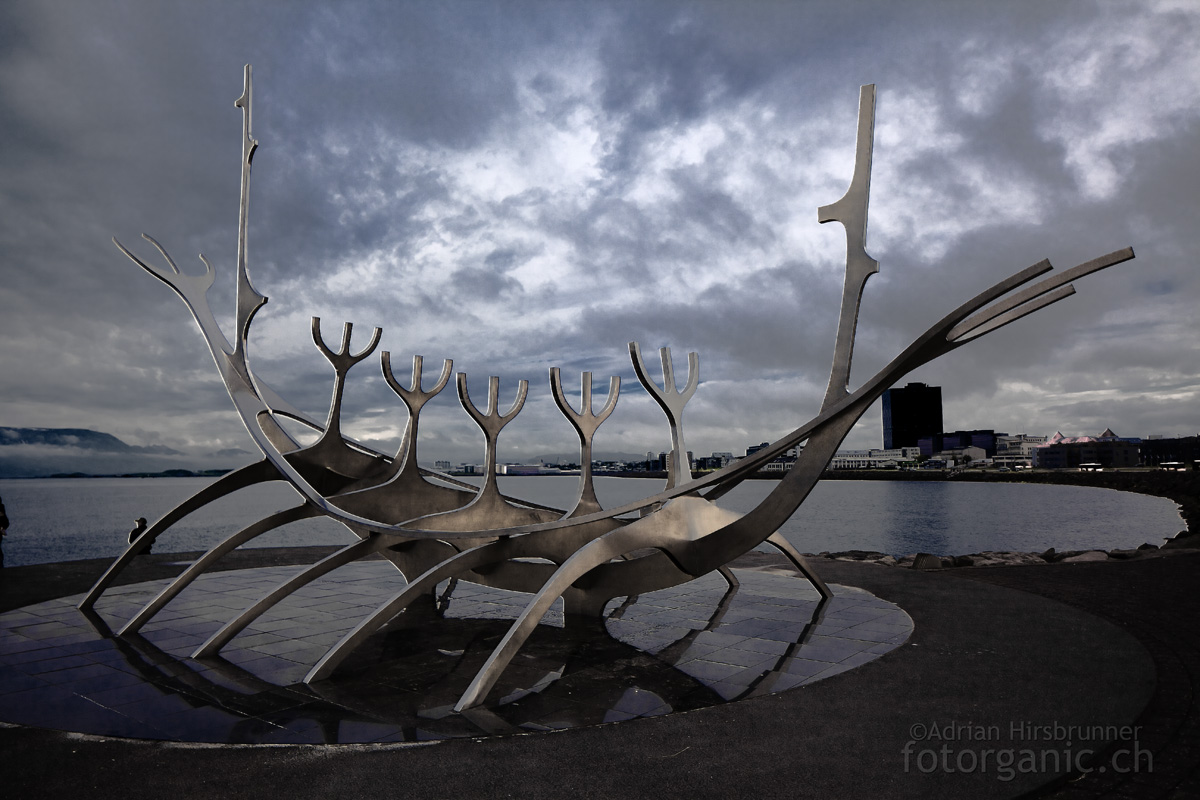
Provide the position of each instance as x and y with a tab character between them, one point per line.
519	186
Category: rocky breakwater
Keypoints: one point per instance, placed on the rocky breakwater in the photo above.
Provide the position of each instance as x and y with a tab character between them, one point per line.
1184	540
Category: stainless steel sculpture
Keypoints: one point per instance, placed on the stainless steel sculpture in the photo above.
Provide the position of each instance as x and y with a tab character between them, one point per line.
434	530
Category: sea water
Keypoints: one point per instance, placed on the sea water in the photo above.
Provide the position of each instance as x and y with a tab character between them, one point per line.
68	519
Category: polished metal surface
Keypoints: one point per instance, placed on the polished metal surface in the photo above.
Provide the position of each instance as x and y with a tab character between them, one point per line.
671	401
438	530
851	211
585	424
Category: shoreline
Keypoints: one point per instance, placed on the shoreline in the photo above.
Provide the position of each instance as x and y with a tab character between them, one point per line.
1182	488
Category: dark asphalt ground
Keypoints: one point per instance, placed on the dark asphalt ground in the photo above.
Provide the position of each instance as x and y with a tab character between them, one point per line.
997	659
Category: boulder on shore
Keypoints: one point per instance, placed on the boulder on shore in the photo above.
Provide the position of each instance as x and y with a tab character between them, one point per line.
1004	558
1090	555
1125	554
927	561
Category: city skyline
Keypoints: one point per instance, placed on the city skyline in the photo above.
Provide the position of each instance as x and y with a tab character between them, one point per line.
85	452
522	186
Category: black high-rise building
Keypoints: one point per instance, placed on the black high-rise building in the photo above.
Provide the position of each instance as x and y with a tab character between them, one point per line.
910	414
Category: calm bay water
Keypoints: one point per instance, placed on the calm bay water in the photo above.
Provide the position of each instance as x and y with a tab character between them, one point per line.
67	519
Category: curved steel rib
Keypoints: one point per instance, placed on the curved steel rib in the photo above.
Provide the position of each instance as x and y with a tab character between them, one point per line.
452	567
698	551
257	472
736	471
793	555
694	533
678	520
331	562
202	564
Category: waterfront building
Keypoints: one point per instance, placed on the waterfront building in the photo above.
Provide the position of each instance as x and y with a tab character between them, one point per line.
714	461
1182	452
1106	451
956	440
910	414
961	456
1016	451
519	469
892	458
781	463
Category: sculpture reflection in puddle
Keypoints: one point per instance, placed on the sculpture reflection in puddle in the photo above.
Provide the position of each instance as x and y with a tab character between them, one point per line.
406	680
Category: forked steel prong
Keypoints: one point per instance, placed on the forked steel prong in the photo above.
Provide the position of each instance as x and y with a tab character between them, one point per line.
341	361
492	422
414	399
672	401
585	424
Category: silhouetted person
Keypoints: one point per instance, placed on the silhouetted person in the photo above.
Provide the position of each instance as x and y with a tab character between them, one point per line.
138	529
3	530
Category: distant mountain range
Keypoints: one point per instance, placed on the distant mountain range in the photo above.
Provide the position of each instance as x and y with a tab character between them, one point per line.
77	437
41	452
35	452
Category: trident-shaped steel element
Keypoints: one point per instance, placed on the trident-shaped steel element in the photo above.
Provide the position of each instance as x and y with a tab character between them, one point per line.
341	361
585	424
672	401
851	211
414	399
492	422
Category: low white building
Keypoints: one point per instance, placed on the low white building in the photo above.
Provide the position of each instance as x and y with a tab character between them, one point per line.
875	459
1016	451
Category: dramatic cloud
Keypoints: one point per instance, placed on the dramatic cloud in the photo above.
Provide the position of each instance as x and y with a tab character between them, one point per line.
524	185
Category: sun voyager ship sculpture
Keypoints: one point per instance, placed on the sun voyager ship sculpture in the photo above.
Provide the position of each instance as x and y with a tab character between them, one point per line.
434	528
